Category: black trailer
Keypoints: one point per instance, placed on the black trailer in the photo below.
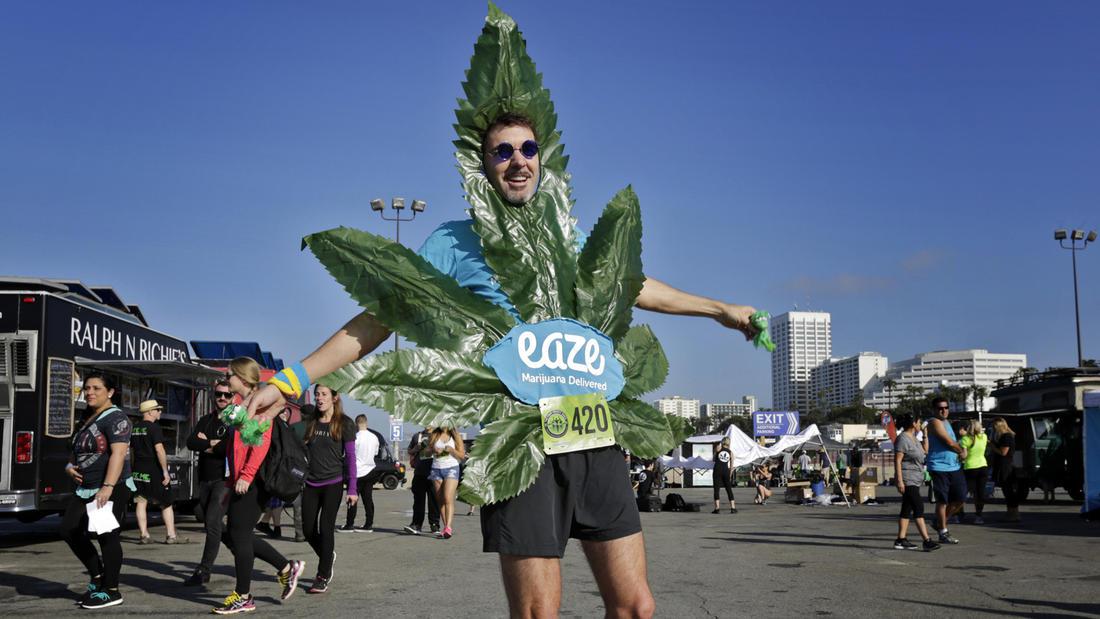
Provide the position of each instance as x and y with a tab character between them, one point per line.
52	333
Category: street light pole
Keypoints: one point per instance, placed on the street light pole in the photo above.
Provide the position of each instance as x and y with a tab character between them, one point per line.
1077	235
397	204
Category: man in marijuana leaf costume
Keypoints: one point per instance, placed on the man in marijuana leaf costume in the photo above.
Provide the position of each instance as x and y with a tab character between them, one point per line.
523	326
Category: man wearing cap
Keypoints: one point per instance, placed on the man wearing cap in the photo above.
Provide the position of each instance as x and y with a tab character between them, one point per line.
151	472
209	440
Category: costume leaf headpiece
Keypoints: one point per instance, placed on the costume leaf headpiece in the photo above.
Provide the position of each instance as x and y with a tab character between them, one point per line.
531	250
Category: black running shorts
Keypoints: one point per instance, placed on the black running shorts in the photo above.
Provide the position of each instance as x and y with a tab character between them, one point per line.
584	495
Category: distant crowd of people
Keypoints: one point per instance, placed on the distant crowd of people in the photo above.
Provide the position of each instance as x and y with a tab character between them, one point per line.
114	459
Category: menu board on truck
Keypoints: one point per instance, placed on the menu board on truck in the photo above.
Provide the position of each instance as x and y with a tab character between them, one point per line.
59	399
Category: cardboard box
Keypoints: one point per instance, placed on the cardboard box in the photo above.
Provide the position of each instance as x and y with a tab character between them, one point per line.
865	492
797	491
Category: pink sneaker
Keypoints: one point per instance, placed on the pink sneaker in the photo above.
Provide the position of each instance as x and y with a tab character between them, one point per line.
447	533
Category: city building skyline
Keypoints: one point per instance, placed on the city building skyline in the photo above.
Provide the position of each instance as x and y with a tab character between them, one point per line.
931	370
678	406
837	381
803	340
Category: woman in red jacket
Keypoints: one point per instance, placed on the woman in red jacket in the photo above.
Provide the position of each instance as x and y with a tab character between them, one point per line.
246	503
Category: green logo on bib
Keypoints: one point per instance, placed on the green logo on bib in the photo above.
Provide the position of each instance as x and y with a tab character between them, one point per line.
556	423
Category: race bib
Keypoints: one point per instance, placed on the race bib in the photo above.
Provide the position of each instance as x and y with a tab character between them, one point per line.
575	422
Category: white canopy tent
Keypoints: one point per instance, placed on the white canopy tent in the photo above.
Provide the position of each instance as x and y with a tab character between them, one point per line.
747	451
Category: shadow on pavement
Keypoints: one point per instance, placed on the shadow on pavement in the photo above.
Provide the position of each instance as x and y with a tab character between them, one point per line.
1077	607
970	610
33	586
786	542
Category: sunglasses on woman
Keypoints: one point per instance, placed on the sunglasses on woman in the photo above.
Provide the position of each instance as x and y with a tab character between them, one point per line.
504	151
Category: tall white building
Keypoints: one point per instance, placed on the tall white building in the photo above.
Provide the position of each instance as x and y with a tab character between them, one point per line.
930	370
725	409
838	381
803	340
681	407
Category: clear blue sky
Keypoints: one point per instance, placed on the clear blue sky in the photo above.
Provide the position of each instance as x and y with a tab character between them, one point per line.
900	165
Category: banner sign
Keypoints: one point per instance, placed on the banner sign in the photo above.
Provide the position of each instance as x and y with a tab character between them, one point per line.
774	423
554	358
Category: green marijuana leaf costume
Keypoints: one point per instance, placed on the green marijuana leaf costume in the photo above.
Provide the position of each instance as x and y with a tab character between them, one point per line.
531	251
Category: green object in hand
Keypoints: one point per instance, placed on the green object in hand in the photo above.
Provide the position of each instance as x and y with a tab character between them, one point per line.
759	321
252	431
234	415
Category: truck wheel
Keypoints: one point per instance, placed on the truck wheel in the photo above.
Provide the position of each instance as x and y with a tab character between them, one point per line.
389	482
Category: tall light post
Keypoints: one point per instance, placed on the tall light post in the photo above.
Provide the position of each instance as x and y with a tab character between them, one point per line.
378	205
1060	235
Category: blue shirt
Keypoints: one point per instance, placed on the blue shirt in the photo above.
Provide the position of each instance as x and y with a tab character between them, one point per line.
940	457
455	249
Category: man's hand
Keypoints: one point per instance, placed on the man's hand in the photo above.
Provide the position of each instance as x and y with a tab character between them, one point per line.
103	496
241	486
267	403
167	478
74	472
738	317
214	443
201	435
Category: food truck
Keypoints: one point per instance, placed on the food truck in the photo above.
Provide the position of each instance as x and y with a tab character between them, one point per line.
52	334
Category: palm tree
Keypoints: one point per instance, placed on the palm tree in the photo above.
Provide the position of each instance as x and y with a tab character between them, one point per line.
979	393
890	384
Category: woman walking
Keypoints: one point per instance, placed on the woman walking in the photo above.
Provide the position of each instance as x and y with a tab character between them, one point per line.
101	469
723	460
448	450
1004	473
909	477
330	448
247	501
975	467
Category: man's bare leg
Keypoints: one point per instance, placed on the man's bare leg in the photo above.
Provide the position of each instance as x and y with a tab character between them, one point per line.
533	586
620	570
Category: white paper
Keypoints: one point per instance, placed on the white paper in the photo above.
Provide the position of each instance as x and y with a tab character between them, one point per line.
101	520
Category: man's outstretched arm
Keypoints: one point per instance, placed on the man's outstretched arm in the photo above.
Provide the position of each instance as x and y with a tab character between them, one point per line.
352	342
657	296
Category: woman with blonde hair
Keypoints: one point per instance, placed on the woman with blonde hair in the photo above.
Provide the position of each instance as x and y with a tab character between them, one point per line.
247	501
448	450
1004	473
975	468
330	449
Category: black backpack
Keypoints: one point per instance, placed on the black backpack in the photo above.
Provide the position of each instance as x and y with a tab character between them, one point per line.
284	469
675	503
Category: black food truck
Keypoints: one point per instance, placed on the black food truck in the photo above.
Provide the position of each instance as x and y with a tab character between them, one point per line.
52	333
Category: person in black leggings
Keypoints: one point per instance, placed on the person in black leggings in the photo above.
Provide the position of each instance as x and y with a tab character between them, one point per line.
723	461
101	469
330	449
247	500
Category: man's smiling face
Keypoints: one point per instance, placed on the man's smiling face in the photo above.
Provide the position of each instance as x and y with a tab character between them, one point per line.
515	178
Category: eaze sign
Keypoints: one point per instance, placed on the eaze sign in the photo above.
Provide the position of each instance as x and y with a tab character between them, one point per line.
555	358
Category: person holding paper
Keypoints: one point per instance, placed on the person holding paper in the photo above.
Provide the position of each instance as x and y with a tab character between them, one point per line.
101	469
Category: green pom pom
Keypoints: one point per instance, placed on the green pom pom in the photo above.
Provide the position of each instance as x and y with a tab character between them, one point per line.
234	415
759	320
252	432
